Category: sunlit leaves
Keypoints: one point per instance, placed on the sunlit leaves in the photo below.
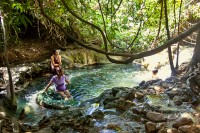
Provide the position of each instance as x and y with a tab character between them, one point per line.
129	25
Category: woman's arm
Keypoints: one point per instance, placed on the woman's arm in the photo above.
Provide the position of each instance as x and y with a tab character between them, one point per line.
66	80
53	63
60	60
47	87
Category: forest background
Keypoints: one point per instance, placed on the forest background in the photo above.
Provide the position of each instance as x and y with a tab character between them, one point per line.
122	30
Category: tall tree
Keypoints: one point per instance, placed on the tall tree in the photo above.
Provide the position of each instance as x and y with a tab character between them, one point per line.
10	87
196	55
168	36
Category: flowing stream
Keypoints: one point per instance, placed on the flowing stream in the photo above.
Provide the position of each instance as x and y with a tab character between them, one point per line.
86	83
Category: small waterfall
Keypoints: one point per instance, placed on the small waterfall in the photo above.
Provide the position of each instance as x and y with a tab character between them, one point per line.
92	108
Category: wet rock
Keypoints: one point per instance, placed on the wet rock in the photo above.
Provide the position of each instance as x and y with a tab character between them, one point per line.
110	105
119	92
109	100
163	130
168	130
177	100
150	127
44	122
130	95
158	89
194	80
3	115
124	105
181	121
145	84
28	128
155	116
172	92
120	103
185	98
131	116
138	110
112	111
160	125
172	80
139	95
36	71
164	84
98	114
113	126
87	120
190	129
55	127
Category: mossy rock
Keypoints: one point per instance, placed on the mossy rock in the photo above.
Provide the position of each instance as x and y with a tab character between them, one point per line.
53	100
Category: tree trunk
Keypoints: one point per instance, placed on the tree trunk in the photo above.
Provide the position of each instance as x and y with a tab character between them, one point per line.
196	55
195	58
173	71
10	88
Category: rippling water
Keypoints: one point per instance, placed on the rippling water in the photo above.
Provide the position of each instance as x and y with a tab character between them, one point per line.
87	82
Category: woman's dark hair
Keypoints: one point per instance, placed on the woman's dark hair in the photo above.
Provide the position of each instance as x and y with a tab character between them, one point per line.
54	51
60	70
155	71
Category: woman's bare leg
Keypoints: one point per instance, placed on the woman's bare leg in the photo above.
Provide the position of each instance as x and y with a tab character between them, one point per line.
67	93
63	95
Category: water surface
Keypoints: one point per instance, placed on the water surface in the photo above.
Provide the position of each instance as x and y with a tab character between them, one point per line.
86	83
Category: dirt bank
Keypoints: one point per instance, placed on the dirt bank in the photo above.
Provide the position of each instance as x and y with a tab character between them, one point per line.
29	51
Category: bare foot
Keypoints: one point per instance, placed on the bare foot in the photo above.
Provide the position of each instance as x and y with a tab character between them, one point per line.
70	97
66	99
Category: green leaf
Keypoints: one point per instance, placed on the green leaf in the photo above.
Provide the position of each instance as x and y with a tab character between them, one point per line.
23	21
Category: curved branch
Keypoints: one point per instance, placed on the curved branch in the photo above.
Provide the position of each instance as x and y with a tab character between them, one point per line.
104	24
130	56
101	31
82	20
169	42
137	34
116	9
77	41
159	27
83	45
138	31
126	61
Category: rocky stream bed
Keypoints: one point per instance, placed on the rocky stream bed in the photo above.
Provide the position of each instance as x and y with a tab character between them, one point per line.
163	106
153	106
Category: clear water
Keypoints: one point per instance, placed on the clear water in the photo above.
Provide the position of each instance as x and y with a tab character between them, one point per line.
86	83
91	81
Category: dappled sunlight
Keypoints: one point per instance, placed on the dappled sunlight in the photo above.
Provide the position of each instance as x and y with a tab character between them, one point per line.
160	62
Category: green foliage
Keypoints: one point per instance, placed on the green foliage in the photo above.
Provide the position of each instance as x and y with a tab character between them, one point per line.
129	25
121	22
16	16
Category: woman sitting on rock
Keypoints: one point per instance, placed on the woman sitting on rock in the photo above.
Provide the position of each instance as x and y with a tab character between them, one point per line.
60	81
56	61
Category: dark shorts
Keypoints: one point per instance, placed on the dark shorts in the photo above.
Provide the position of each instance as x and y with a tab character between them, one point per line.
61	88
